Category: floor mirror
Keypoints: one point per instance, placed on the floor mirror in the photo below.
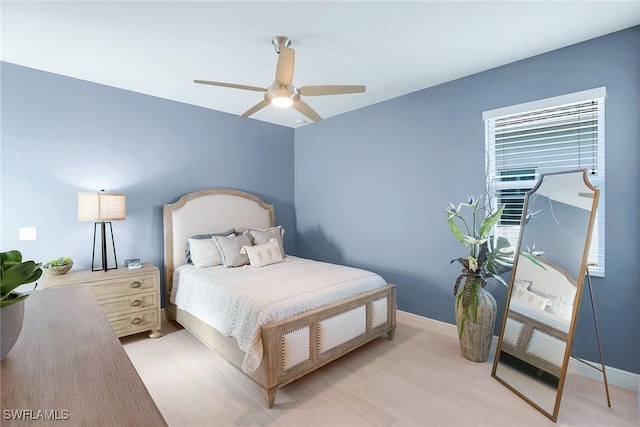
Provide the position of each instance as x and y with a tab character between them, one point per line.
545	288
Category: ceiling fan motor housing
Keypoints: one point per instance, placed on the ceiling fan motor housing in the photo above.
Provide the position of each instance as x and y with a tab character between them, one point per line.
280	41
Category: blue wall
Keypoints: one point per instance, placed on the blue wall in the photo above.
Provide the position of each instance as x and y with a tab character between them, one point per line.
62	136
372	185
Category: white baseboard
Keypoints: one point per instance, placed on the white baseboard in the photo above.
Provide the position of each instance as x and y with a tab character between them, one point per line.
615	376
427	323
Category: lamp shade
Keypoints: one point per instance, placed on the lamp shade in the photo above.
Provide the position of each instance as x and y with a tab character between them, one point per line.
101	206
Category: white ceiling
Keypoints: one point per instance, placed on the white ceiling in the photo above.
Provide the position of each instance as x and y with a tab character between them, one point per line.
394	48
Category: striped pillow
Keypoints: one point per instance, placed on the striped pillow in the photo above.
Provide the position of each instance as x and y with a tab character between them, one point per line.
205	252
187	249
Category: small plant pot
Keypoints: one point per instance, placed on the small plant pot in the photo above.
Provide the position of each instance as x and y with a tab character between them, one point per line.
57	270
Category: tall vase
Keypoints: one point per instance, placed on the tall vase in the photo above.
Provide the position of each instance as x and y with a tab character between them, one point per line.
476	338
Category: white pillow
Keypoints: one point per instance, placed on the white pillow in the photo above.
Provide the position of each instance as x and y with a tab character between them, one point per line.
187	249
519	286
259	237
554	302
230	248
530	298
565	310
264	254
204	253
525	283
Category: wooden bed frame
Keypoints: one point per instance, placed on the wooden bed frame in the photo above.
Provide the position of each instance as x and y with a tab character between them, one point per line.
554	280
520	349
218	210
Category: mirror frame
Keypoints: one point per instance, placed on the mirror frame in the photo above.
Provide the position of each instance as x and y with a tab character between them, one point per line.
576	306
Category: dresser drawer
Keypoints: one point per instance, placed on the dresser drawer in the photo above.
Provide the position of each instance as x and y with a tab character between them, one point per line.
129	304
125	286
135	322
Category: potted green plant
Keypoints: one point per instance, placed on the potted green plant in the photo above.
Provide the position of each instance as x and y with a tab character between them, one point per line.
488	257
13	273
58	266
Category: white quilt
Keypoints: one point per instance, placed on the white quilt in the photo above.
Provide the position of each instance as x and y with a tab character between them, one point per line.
238	301
541	316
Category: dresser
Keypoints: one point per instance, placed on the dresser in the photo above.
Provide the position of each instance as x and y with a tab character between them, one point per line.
130	298
69	368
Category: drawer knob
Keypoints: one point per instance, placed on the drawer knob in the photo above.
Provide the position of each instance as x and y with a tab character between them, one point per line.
136	284
136	303
136	321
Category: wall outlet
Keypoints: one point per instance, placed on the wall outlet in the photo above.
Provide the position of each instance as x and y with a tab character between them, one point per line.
28	233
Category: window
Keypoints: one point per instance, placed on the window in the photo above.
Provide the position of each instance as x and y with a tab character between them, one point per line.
550	135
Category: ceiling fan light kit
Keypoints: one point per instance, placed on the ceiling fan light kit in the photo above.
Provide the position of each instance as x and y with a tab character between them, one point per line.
282	102
281	97
282	93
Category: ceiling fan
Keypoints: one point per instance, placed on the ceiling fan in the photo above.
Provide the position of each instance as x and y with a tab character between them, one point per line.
282	92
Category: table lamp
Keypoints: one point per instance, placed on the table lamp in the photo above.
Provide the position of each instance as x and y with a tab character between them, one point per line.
102	208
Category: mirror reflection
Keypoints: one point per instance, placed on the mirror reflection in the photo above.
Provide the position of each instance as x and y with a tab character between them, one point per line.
545	289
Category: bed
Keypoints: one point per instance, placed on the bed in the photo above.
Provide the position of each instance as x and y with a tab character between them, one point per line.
292	346
539	315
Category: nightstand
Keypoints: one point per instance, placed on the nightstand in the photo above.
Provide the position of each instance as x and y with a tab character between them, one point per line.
129	298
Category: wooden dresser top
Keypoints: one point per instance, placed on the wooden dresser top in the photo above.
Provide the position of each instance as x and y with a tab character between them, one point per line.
68	361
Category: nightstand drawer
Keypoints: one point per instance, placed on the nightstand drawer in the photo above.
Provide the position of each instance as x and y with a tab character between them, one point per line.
135	322
128	286
121	292
129	304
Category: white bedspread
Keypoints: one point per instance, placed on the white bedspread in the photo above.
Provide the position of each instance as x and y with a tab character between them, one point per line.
238	301
546	318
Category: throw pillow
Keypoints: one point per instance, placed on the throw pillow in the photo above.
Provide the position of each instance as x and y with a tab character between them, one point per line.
264	254
565	310
530	298
230	248
554	302
521	282
204	252
259	237
187	249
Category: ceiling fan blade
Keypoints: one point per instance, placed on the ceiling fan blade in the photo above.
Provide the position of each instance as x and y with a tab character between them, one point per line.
284	69
259	106
304	108
231	85
330	90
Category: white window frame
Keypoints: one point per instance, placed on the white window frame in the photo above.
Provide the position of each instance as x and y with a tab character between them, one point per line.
597	251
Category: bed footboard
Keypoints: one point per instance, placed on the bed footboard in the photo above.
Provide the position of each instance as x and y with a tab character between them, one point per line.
301	344
530	330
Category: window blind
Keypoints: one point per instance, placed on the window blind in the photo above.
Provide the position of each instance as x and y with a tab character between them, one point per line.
523	144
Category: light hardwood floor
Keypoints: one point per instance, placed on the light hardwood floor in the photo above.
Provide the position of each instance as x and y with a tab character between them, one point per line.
418	379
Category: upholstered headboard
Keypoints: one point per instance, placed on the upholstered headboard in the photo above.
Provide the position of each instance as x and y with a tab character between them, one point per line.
552	279
213	210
